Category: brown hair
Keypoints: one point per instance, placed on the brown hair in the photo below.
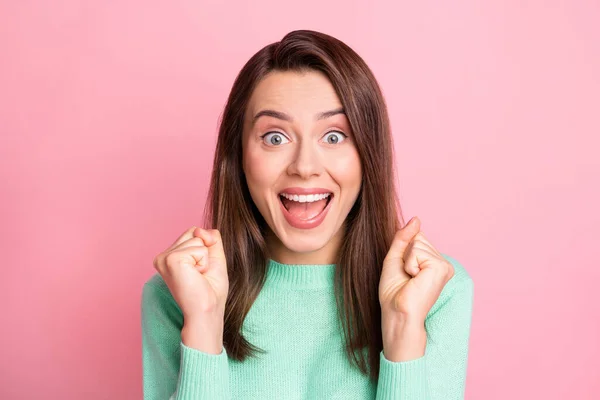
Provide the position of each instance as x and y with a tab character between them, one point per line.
370	225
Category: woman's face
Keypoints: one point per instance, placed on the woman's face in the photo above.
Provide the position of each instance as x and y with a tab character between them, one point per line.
296	140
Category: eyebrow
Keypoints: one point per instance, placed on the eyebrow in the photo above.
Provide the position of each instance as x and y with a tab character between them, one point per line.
285	117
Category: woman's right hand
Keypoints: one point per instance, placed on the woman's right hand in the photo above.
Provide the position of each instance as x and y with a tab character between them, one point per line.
195	271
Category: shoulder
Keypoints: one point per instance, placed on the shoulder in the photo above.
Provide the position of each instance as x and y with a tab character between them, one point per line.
156	284
156	296
461	275
155	287
458	291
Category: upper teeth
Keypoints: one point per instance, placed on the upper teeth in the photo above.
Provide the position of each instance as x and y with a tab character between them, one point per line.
305	198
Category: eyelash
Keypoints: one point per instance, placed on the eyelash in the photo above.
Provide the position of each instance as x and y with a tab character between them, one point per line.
268	133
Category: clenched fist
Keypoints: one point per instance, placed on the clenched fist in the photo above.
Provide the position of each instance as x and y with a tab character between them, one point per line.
413	275
195	271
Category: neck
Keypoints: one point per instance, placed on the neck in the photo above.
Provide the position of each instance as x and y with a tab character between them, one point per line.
299	276
324	255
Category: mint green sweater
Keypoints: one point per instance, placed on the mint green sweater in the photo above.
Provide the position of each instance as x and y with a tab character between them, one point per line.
294	320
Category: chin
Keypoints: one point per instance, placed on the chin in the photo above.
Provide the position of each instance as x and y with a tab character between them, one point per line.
300	242
308	246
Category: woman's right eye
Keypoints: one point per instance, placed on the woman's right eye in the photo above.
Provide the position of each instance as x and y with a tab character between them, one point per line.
274	138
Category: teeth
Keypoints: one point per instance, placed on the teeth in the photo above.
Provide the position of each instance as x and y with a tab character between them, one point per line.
305	198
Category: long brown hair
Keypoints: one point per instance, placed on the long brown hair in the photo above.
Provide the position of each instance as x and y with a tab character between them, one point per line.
370	225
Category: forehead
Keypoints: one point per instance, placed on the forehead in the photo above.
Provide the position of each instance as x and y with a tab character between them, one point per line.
293	92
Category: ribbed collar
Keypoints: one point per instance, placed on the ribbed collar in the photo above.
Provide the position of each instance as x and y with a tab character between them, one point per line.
299	276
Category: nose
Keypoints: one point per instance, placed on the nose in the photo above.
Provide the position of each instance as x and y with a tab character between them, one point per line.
306	161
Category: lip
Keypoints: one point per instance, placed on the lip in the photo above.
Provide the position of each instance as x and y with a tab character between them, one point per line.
310	223
300	190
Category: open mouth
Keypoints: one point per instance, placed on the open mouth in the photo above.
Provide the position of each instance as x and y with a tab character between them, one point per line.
305	207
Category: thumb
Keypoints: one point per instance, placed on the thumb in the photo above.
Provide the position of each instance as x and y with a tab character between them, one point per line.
212	240
403	238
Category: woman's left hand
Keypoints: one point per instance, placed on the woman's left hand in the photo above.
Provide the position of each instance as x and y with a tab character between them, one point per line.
413	276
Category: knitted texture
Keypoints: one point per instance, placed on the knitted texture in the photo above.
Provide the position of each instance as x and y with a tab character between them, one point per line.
294	319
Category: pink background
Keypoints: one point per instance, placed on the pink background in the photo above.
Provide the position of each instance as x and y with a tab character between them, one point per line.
108	119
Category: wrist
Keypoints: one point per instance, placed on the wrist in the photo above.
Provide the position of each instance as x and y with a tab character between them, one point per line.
404	339
205	335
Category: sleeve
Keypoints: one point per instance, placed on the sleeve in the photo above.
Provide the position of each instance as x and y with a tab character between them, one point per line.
171	370
441	372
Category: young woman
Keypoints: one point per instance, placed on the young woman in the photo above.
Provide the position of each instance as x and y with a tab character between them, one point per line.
308	284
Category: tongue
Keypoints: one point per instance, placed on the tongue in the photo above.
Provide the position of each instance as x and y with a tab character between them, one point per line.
304	211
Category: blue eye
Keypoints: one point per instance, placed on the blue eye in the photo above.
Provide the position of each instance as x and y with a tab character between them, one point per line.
336	140
274	140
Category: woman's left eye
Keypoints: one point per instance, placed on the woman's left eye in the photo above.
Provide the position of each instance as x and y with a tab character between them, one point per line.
331	139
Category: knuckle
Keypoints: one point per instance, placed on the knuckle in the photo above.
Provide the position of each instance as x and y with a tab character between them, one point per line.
450	271
171	260
157	262
421	238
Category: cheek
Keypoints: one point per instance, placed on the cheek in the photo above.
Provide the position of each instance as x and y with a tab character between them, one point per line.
347	169
259	169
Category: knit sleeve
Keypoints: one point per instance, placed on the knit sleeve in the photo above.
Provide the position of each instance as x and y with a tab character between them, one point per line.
172	370
441	372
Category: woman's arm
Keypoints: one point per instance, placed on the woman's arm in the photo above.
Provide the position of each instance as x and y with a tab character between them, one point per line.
172	370
440	373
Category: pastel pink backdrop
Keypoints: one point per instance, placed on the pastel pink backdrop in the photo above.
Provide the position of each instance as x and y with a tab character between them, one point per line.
108	118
